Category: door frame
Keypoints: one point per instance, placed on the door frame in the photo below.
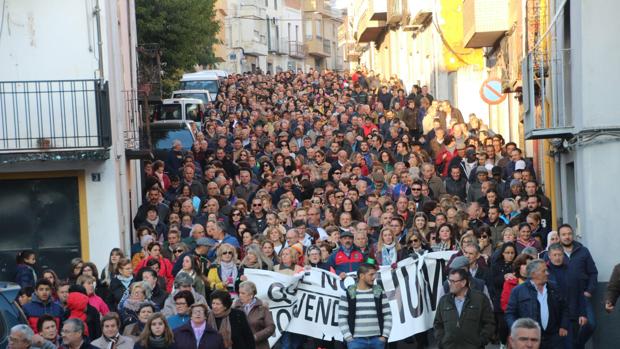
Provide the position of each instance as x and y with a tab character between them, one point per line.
83	211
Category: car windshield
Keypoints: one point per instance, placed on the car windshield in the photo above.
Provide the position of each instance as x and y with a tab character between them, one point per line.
202	96
171	112
209	85
163	138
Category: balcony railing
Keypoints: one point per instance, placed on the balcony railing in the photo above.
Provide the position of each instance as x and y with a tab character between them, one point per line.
296	49
54	115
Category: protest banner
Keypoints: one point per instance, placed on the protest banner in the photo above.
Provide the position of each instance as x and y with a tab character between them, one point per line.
307	303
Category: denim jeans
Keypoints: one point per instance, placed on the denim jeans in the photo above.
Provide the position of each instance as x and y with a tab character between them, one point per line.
366	343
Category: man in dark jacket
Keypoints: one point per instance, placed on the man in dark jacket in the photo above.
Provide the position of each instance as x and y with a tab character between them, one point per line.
571	290
464	317
456	183
613	289
158	295
540	300
581	270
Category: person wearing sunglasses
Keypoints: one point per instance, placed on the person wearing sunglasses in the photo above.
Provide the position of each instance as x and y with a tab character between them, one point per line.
224	273
417	245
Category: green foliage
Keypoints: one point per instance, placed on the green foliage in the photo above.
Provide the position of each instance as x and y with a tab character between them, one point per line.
185	30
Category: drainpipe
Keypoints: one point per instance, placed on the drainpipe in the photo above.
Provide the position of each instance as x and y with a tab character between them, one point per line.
97	14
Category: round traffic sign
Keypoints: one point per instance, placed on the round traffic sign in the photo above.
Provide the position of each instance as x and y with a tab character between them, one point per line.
491	91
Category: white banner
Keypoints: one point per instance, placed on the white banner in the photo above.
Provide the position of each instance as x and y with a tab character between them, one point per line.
307	303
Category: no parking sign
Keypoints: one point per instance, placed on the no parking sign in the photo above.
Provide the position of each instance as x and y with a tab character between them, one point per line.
491	91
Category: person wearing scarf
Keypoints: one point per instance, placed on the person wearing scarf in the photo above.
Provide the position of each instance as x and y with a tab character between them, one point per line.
111	337
525	238
231	324
258	315
388	248
223	275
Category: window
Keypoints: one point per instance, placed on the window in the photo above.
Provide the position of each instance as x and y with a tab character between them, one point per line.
308	30
319	29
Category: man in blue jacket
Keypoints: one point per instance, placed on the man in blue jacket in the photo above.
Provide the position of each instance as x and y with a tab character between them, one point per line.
540	300
42	303
582	273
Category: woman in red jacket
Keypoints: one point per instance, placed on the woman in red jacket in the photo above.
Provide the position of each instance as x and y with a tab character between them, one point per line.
511	281
165	266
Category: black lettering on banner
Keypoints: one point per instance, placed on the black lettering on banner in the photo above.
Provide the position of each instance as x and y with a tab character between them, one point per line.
298	305
331	281
279	323
399	298
322	310
419	309
335	305
309	307
276	293
432	287
303	281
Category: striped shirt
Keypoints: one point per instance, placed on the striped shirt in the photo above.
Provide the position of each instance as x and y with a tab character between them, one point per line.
366	323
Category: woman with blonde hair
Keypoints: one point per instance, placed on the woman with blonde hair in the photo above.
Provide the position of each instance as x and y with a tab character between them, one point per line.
224	273
288	262
276	236
388	249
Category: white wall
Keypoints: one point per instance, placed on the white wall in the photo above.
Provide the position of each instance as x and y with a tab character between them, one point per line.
45	40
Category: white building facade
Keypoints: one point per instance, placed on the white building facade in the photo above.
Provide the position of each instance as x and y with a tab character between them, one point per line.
67	74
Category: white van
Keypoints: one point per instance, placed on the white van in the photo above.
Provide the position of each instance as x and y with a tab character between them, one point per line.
203	95
202	80
181	109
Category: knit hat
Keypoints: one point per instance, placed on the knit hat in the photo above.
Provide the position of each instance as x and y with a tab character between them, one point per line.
459	263
481	169
519	165
183	279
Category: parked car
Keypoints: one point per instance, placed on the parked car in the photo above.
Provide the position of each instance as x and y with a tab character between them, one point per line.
10	313
163	134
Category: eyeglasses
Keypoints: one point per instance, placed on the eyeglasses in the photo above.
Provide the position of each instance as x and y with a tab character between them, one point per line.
237	213
227	252
179	251
416	189
337	172
181	303
339	196
454	281
484	237
414	241
257	205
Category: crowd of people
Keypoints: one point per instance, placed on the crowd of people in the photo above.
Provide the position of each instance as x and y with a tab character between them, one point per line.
343	172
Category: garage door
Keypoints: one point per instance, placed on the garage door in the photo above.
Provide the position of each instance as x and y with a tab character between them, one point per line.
43	215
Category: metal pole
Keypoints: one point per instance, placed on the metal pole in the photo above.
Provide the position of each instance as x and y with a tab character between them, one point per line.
97	14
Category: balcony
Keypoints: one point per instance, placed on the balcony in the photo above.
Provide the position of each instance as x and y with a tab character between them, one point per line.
279	46
396	11
318	6
316	47
421	11
372	21
252	9
484	22
57	119
255	47
296	49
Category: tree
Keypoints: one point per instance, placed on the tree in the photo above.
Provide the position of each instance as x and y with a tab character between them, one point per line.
185	30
